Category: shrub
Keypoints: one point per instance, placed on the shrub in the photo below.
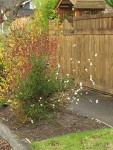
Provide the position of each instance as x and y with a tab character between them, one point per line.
2	82
1	68
36	92
34	88
17	49
25	58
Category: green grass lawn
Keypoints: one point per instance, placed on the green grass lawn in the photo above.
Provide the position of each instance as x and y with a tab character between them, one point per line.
89	140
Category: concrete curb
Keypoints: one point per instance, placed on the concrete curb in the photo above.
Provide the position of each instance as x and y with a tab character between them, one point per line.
6	134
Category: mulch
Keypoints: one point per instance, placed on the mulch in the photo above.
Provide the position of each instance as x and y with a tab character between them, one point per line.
66	122
4	145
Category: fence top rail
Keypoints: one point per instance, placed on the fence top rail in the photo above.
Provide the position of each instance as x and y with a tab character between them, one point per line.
109	15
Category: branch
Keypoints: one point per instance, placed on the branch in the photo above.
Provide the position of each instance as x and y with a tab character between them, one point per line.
11	5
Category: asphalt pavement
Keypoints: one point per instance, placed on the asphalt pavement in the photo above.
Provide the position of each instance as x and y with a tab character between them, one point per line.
94	105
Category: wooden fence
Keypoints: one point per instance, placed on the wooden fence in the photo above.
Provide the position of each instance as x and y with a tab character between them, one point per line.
85	50
104	21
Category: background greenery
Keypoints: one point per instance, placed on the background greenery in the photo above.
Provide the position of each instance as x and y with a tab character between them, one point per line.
109	2
47	10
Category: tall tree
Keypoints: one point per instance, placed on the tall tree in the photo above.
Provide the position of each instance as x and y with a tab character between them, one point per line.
45	9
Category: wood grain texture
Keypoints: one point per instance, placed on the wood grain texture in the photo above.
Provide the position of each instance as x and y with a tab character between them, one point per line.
88	52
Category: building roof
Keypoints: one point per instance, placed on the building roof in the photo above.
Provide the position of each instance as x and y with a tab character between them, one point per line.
24	12
82	4
7	4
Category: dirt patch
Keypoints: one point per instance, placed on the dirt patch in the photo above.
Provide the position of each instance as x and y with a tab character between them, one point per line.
66	122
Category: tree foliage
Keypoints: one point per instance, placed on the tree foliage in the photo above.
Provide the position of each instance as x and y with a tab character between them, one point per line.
47	9
109	2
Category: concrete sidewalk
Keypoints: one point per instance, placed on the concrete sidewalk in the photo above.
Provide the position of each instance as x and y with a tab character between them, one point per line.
94	105
7	135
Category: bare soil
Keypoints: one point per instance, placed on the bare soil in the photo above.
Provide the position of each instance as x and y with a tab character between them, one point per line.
65	122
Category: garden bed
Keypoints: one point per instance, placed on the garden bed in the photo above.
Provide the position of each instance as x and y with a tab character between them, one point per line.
66	122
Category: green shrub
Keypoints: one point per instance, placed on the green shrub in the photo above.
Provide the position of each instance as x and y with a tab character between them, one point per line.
1	68
38	91
2	77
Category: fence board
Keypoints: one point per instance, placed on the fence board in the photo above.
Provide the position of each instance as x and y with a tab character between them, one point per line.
92	39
